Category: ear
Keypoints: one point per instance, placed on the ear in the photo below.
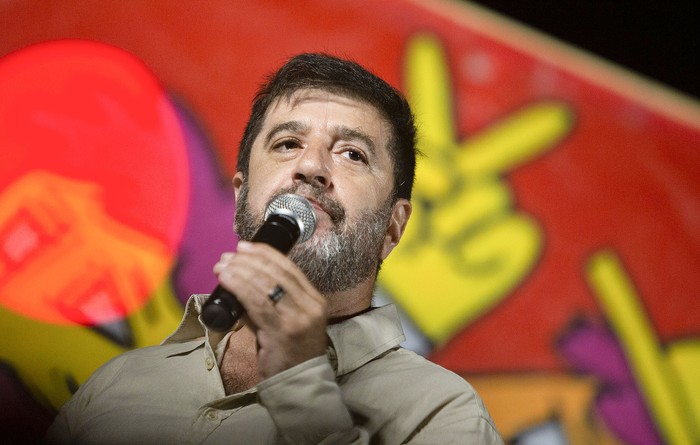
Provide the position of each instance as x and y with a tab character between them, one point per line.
237	183
397	225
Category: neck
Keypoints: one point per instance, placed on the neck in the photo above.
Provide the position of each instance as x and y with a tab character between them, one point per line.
350	302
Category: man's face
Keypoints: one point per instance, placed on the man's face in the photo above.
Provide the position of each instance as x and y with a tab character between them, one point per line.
333	150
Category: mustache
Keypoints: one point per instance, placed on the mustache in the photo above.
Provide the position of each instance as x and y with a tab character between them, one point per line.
316	193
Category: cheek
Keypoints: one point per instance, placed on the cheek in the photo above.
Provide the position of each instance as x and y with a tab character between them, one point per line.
256	200
266	177
358	205
372	192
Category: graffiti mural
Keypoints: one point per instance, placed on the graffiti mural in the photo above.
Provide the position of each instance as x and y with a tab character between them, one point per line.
551	258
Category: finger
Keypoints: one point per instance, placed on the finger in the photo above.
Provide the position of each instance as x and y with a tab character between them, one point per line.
300	302
251	274
223	261
274	269
428	90
226	256
299	293
263	265
515	139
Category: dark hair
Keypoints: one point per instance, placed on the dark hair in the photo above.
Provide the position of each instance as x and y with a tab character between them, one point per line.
347	78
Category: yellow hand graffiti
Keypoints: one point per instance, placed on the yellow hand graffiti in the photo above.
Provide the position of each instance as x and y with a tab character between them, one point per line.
55	356
465	247
667	377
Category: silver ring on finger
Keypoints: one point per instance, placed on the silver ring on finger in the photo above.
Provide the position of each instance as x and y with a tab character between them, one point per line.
276	294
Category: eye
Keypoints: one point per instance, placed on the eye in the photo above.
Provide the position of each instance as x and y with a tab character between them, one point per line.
287	144
355	155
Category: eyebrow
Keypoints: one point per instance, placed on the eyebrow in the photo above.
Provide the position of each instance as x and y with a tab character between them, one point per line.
292	126
345	133
350	134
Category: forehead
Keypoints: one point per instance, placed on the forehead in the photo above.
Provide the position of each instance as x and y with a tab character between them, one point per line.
330	108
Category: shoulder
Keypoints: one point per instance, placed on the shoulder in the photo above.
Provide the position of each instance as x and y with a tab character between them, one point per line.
141	355
132	386
432	399
134	364
403	377
128	372
401	366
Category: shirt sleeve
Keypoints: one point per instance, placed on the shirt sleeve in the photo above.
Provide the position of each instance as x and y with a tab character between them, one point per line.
59	431
307	407
463	420
66	422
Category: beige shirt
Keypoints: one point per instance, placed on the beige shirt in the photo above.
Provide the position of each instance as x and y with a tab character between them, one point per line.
366	389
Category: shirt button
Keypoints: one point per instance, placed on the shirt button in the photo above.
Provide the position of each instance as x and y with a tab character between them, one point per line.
211	415
210	363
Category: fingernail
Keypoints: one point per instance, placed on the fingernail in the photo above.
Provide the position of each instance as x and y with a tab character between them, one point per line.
244	245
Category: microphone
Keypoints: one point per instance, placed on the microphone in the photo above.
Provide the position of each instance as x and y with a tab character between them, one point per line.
288	218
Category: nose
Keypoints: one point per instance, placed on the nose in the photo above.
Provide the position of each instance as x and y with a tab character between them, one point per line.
313	166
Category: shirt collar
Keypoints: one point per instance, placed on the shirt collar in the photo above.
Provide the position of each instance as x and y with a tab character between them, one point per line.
354	341
190	327
365	337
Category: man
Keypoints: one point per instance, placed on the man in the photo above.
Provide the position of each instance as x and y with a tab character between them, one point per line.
318	364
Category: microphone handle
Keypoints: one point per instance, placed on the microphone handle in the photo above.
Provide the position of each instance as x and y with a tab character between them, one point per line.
222	309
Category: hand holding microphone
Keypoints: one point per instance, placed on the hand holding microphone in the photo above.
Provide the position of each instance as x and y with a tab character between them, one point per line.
288	218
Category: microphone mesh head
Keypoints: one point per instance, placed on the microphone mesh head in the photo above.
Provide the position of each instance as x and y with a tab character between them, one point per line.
298	208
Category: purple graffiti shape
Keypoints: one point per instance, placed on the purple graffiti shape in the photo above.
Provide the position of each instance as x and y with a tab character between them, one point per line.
593	349
209	227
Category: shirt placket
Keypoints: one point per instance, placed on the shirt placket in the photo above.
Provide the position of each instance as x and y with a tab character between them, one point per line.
209	417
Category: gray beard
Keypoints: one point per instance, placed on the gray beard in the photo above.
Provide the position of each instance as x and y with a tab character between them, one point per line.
338	260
